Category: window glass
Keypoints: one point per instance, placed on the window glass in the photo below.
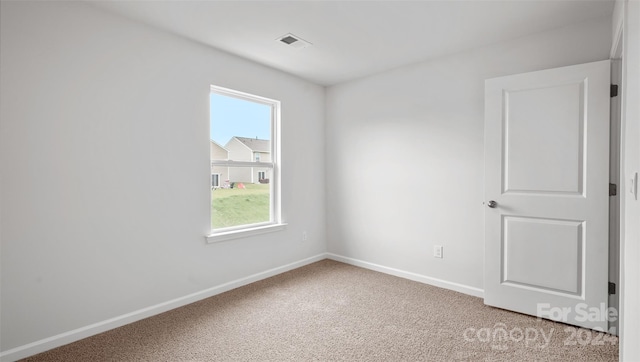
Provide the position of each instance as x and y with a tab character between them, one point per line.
242	160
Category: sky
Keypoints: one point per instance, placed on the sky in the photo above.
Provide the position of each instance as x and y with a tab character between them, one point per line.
237	117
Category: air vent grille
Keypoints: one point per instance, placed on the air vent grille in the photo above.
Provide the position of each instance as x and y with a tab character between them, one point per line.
288	40
294	41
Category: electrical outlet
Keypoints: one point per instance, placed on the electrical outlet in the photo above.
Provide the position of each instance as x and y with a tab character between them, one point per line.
437	251
304	236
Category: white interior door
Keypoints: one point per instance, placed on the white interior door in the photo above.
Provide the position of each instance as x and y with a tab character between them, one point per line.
547	178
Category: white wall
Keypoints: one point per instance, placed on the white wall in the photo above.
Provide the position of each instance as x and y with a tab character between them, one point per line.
104	157
627	14
404	153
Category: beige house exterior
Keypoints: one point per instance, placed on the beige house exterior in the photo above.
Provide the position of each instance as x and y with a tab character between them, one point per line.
249	150
219	174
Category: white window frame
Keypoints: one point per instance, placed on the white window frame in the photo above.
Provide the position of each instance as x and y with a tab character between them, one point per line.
275	223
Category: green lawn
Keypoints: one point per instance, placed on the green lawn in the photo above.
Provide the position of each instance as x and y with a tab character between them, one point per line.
232	207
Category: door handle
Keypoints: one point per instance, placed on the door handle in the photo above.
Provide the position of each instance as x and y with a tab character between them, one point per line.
492	204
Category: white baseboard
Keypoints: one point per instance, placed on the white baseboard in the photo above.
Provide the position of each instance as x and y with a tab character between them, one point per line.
476	292
93	329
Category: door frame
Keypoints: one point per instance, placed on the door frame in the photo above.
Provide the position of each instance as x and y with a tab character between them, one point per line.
615	177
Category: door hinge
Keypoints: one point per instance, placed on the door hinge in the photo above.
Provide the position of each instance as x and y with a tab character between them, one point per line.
612	288
613	190
614	90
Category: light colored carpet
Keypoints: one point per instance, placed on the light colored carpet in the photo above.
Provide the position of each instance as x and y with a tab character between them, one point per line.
331	311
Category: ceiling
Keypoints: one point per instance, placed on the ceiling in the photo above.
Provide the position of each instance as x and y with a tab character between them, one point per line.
352	39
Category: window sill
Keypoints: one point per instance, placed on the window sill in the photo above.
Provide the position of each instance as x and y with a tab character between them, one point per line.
237	234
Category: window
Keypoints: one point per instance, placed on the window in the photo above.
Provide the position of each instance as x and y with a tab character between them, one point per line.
244	132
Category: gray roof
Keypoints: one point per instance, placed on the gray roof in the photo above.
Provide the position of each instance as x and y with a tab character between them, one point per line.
255	144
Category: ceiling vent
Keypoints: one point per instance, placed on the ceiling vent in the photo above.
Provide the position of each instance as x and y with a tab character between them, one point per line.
293	41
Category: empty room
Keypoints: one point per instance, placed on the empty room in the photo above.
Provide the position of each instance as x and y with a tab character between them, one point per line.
319	180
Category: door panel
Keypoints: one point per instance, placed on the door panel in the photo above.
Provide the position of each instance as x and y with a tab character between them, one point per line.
558	242
546	166
549	143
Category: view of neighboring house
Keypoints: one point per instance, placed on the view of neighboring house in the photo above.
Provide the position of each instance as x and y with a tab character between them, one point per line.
219	174
250	150
240	149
